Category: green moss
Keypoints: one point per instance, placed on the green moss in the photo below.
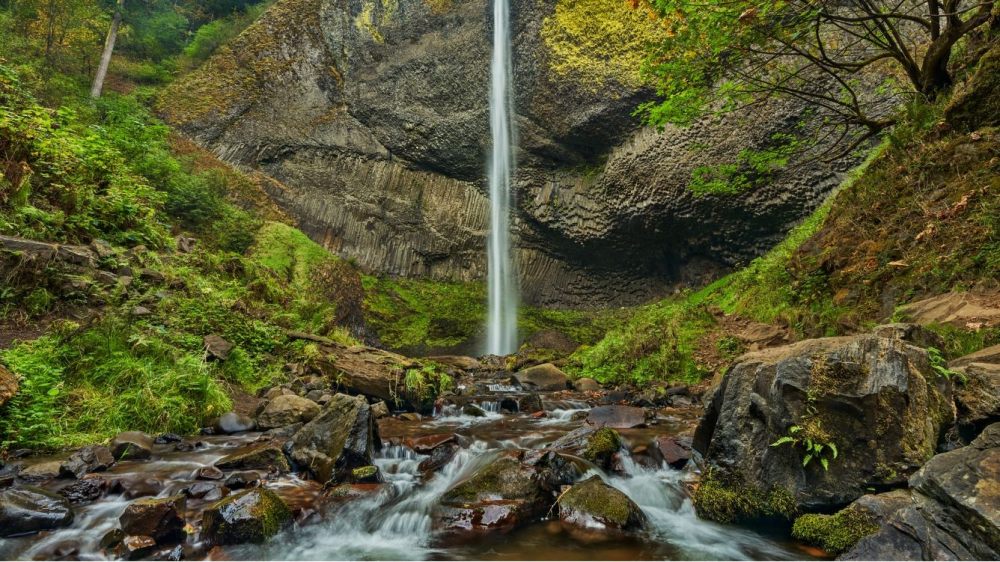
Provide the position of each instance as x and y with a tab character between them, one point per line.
596	499
602	444
835	533
597	41
249	516
733	503
977	103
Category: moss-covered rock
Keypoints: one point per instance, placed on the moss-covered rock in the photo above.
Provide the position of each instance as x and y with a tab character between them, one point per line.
260	456
592	503
501	495
835	533
602	445
251	516
725	502
977	104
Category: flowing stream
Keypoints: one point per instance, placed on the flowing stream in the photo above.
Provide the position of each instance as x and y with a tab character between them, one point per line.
501	276
395	520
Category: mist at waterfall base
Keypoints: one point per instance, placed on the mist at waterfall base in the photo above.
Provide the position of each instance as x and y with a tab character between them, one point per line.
501	329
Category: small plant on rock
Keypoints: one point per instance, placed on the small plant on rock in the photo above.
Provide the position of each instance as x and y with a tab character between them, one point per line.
812	446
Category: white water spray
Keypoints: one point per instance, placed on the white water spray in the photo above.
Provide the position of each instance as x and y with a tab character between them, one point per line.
501	277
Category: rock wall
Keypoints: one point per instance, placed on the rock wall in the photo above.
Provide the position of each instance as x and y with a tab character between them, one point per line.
372	115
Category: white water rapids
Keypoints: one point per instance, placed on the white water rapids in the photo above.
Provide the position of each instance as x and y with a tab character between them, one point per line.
501	326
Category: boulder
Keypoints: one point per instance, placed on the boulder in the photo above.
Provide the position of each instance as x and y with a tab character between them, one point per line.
988	355
8	385
872	403
366	475
586	385
541	377
286	410
136	547
952	511
37	472
159	518
618	417
250	516
28	509
84	490
233	422
343	437
592	504
473	411
209	473
380	374
501	495
673	450
597	446
379	409
95	458
216	347
965	310
461	362
208	491
242	479
426	443
131	445
261	456
977	401
438	457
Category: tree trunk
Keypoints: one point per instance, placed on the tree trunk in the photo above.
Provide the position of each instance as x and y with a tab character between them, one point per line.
109	48
934	75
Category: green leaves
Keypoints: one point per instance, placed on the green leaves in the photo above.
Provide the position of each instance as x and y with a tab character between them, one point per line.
812	449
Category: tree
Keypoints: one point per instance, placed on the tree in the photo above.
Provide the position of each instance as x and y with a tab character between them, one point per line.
835	55
109	47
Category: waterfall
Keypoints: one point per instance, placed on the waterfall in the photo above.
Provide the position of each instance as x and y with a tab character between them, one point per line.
501	277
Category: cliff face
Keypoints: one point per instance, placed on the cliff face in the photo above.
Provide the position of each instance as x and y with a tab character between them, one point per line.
372	115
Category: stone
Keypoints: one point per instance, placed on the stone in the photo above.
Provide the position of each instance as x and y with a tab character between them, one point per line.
84	490
379	409
250	516
366	475
592	504
380	375
473	411
530	404
618	417
217	347
37	472
165	438
233	422
542	377
438	457
876	399
242	479
28	509
141	311
586	384
262	456
8	385
209	473
673	450
131	445
342	437
965	310
502	495
209	491
461	362
159	518
286	410
424	444
136	547
315	395
977	401
987	355
95	458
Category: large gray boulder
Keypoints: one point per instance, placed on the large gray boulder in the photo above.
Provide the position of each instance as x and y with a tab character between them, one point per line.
871	405
28	509
392	99
286	410
341	438
953	512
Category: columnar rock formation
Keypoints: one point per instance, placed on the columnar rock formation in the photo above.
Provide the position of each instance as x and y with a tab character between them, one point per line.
372	115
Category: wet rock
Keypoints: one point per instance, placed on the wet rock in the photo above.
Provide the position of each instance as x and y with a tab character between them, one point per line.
380	410
111	539
381	375
315	395
28	509
673	450
209	491
618	417
216	347
95	458
244	479
286	410
593	504
133	488
366	475
38	472
136	547
530	404
602	446
232	422
283	433
263	456
424	444
876	399
501	495
166	438
343	437
209	473
439	456
586	385
85	490
250	516
8	385
172	553
159	518
542	377
131	445
473	411
410	416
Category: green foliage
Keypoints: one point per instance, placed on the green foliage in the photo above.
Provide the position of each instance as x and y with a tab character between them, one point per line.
835	533
940	366
85	384
812	447
752	169
719	500
214	34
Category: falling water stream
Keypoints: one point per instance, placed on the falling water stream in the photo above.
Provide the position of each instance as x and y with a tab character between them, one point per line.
501	275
